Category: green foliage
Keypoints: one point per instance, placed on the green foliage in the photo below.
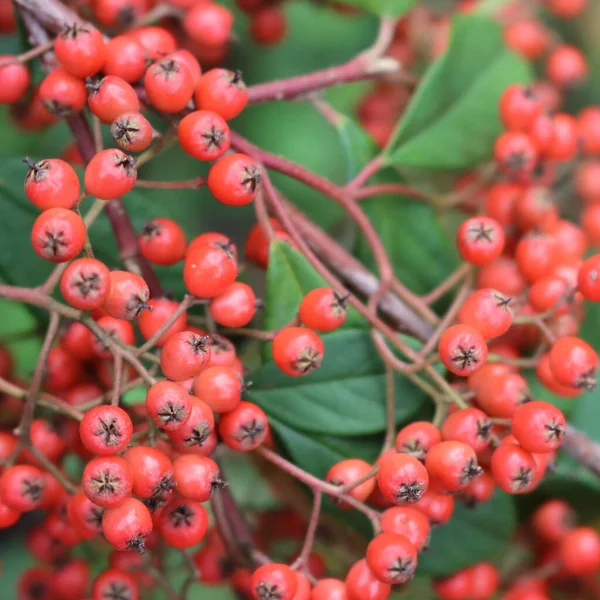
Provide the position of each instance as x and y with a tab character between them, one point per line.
383	8
471	536
452	119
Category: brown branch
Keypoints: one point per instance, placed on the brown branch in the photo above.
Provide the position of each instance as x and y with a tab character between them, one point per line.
582	448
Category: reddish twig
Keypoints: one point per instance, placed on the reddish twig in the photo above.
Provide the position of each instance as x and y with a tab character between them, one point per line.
187	184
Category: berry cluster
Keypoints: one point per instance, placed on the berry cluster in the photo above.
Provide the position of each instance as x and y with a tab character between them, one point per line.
150	480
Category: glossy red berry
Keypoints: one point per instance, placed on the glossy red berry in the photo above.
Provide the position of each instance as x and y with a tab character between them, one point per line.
183	523
297	351
234	180
81	50
125	58
347	471
574	363
127	295
169	85
132	132
538	426
470	426
116	330
157	41
408	522
235	306
452	465
194	434
536	209
22	488
244	428
51	183
186	58
323	309
566	66
35	583
14	79
588	278
487	311
392	558
115	583
208	24
8	516
71	580
502	275
528	37
541	133
110	174
85	283
184	355
58	235
565	138
62	93
274	581
417	438
519	107
462	349
159	312
111	97
553	520
437	507
223	92
106	430
480	240
197	477
480	490
168	405
579	551
152	471
513	469
204	135
361	584
63	370
501	394
329	589
107	480
127	526
516	154
220	387
402	478
114	13
268	25
162	241
209	268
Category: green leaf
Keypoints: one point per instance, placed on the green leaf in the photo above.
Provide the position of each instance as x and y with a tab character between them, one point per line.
345	396
289	278
452	119
472	535
383	8
416	242
359	148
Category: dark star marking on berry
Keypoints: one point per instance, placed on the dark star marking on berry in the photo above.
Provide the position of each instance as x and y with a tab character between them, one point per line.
484	429
181	516
401	570
268	591
554	431
117	591
125	129
465	357
214	138
164	485
86	283
94	517
109	431
481	231
470	471
72	31
171	413
587	381
137	543
251	178
37	171
106	482
198	435
414	448
502	301
54	242
308	360
198	343
410	492
522	478
38	590
32	488
250	432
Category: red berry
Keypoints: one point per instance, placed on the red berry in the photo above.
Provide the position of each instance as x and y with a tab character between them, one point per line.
329	589
502	275
190	61
392	558
501	394
208	24
35	583
536	255
588	123
127	526
196	431
565	138
81	50
516	154
220	387
209	269
538	426
235	306
513	469
579	551
184	355
116	330
234	180
132	132
110	174
541	133
62	93
297	351
567	9
52	183
588	279
402	478
527	37
157	41
438	508
462	349
244	428
544	374
323	309
62	370
85	283
127	295
480	240
114	581
488	311
223	92
107	480
111	97
105	430
347	471
553	520
417	438
204	135
574	363
566	66
159	312
125	58
275	581
268	25
14	79
501	201
58	235
168	405
22	488
470	426
162	242
361	584
519	107
408	522
536	209
111	13
169	85
452	465
197	477
152	471
480	490
183	523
